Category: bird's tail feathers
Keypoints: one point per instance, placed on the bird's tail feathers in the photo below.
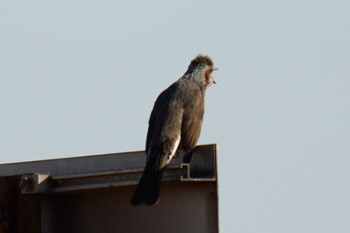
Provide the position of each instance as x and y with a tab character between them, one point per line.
147	191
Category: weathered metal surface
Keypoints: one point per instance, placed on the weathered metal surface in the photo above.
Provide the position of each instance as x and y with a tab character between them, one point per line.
183	207
8	205
91	194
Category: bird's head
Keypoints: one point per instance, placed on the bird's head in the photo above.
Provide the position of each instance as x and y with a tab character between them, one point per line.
200	70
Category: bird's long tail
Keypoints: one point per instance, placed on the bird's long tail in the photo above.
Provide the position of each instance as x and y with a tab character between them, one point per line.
147	191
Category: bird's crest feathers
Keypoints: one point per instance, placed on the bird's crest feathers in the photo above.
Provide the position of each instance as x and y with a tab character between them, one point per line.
200	59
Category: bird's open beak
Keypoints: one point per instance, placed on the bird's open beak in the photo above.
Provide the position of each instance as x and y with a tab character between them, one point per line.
212	77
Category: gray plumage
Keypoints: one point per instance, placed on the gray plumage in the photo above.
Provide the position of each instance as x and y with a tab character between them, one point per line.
175	124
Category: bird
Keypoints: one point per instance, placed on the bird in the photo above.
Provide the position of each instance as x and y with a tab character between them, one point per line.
174	124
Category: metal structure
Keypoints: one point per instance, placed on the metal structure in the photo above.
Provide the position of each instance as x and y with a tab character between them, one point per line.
91	194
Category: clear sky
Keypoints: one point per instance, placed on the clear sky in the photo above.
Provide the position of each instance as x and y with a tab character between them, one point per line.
80	77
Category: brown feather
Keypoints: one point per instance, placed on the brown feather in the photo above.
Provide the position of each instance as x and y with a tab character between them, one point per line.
192	123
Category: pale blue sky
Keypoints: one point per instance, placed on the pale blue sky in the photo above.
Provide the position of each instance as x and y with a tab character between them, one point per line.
80	77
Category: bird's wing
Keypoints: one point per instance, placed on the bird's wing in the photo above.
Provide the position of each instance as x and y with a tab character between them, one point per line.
164	130
163	139
160	105
151	124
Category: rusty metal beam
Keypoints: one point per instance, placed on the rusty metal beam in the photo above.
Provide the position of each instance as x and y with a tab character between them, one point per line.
79	194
